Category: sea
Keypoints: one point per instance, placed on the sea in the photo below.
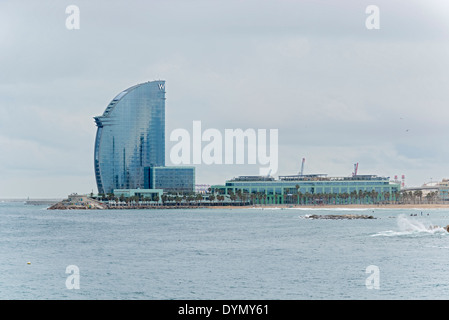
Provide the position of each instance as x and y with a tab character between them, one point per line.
238	253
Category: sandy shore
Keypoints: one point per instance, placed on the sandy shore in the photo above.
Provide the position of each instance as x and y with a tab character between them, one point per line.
347	206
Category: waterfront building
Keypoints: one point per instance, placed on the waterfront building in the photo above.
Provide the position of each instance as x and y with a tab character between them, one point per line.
171	179
202	188
142	194
130	137
303	189
76	199
430	192
443	190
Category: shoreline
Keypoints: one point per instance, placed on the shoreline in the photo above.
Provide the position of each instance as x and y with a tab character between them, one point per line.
90	204
336	206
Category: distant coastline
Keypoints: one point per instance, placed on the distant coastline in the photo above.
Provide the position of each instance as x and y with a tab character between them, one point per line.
90	204
53	203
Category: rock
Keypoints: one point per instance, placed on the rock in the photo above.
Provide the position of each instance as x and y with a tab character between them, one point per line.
86	204
340	216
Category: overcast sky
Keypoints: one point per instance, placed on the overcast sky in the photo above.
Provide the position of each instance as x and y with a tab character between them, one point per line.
337	92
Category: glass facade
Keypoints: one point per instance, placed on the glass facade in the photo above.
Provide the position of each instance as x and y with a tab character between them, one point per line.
130	137
171	179
275	190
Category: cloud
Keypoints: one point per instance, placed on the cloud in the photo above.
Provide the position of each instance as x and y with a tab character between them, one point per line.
337	92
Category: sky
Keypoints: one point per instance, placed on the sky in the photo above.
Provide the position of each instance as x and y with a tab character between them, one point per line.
337	92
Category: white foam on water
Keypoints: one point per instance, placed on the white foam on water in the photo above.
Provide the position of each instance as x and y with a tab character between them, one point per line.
407	226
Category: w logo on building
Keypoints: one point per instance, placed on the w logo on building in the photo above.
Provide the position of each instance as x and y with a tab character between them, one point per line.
161	86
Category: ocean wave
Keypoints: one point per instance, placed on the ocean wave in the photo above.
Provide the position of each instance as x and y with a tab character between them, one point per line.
408	227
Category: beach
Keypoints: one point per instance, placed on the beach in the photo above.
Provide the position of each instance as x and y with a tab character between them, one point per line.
347	206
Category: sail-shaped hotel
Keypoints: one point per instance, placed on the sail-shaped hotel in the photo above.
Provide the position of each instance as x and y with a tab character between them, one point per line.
130	144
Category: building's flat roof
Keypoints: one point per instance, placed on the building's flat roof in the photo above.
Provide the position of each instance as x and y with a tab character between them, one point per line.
309	177
253	178
138	190
172	167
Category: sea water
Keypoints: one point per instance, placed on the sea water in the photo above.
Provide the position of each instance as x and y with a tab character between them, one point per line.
222	254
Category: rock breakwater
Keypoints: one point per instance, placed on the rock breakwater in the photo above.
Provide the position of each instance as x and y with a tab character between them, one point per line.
340	216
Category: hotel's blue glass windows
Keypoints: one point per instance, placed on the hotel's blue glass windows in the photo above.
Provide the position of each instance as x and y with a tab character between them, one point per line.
130	137
172	179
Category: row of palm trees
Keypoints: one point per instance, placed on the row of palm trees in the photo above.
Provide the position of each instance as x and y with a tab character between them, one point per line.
240	197
189	199
299	198
354	197
416	197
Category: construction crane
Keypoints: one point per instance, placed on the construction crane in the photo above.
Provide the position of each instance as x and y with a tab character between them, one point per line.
356	166
302	166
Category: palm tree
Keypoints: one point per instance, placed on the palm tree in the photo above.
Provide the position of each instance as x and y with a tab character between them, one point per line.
252	197
395	196
361	195
211	198
233	197
353	196
284	195
164	198
334	198
403	195
190	198
260	197
386	196
373	194
299	195
434	196
325	198
345	197
411	197
239	194
246	197
418	194
198	198
316	197
297	191
307	196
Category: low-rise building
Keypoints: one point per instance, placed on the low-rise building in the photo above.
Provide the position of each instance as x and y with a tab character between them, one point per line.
174	179
299	188
142	194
